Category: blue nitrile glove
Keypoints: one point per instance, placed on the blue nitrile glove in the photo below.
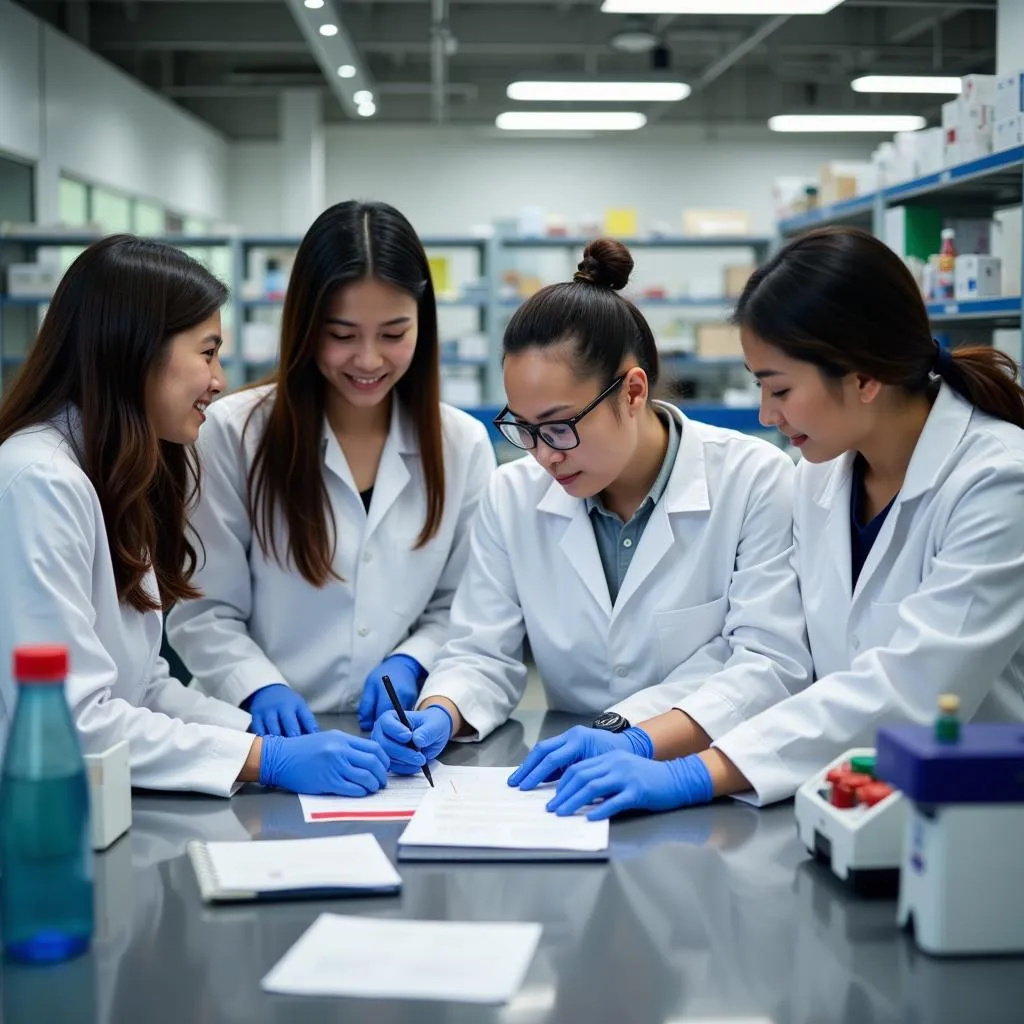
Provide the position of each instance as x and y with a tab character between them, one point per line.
431	731
550	758
625	782
277	710
331	763
406	675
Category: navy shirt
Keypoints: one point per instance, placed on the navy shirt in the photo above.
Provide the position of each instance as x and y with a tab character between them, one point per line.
862	538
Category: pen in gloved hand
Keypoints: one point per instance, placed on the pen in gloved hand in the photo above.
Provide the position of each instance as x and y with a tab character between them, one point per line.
386	680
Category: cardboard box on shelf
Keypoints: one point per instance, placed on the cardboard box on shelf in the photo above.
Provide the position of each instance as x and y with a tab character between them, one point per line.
716	341
951	113
736	277
716	222
1009	101
978	90
844	179
883	159
973	234
1008	133
977	277
788	195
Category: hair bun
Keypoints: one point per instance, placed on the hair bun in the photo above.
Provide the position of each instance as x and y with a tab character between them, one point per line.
605	262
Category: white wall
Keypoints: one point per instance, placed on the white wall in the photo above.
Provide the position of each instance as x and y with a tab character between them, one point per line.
446	180
20	133
99	125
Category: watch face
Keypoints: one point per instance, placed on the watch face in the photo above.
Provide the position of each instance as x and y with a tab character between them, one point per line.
611	721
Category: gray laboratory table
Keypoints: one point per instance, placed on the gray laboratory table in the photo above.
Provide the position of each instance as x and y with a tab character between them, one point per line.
707	913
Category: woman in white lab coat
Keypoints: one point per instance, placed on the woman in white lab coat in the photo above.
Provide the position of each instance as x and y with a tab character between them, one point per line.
909	532
337	498
645	556
96	470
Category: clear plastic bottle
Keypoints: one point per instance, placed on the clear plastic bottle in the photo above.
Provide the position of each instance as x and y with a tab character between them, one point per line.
46	897
945	276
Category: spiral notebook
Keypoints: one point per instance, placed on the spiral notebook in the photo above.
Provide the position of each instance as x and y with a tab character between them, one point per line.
279	869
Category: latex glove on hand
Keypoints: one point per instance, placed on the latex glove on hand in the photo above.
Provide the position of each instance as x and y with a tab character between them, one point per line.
550	758
406	675
329	763
625	782
277	710
431	731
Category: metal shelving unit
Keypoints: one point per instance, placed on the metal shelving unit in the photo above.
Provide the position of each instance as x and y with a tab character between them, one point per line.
978	188
490	308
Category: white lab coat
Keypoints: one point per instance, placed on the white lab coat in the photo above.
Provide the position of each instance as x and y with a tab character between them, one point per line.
938	607
57	586
259	622
707	619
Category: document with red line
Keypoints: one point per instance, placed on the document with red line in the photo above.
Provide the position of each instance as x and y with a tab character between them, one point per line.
401	797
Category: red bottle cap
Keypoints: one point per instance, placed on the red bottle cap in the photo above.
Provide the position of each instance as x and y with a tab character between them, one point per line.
40	664
857	779
843	796
837	773
873	793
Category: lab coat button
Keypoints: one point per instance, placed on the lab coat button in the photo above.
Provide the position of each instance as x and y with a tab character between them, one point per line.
627	543
367	556
855	643
622	671
363	631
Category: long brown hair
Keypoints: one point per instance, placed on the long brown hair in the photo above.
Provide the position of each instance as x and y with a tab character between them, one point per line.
843	300
349	242
106	330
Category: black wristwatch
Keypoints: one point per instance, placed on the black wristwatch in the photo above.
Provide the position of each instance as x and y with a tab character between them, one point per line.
610	721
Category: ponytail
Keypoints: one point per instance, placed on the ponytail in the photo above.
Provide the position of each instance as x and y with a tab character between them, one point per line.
988	379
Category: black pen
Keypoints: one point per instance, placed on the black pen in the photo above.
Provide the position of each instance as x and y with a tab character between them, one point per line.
405	721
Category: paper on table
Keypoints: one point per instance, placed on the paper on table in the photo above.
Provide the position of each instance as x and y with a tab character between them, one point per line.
389	959
499	817
278	864
402	795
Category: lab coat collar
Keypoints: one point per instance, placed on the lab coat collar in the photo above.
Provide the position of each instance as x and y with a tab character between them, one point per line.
687	488
943	430
402	438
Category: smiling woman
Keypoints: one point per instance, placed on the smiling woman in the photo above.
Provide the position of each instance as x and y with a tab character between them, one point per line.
339	492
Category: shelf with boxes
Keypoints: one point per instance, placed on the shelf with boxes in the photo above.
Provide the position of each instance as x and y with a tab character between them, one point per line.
251	317
934	196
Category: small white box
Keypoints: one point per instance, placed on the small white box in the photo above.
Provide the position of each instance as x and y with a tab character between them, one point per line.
951	114
1008	133
32	279
930	152
110	794
977	277
1009	99
978	89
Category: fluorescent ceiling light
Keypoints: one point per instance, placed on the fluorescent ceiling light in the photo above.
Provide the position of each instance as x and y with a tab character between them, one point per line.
363	96
570	121
943	84
346	71
313	5
600	92
328	30
719	6
367	109
846	123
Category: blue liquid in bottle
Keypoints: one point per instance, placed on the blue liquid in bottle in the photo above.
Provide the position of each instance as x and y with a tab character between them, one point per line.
46	897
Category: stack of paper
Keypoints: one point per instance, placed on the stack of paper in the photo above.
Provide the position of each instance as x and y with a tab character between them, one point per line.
481	817
388	959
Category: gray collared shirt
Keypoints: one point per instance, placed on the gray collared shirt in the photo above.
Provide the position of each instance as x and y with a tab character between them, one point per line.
617	541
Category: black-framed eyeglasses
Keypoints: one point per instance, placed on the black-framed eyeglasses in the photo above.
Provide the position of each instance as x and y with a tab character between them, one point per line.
558	434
